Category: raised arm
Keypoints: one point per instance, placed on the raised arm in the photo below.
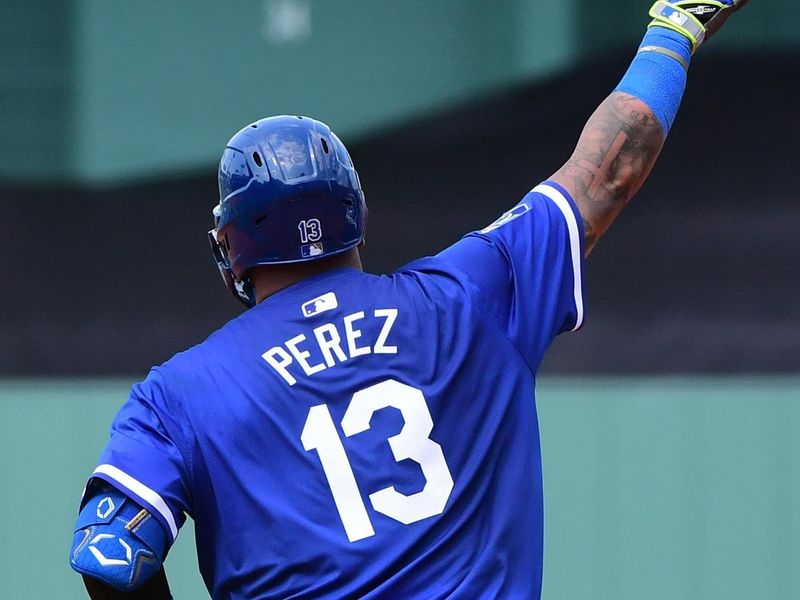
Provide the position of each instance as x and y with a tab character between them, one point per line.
614	155
622	139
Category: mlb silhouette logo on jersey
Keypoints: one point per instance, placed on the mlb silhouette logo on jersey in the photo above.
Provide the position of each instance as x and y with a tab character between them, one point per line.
320	304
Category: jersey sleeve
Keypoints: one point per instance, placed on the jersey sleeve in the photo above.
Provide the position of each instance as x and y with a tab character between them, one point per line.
528	267
143	460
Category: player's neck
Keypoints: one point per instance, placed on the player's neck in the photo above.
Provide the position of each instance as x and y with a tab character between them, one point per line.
269	279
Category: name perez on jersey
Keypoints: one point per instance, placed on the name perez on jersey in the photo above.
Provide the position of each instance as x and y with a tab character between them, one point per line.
331	345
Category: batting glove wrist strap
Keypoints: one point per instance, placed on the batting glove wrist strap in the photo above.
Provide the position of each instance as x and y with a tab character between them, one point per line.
698	20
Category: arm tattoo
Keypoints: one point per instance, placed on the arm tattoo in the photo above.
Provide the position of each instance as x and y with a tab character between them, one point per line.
615	153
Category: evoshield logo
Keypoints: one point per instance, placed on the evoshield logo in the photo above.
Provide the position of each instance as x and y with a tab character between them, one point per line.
105	507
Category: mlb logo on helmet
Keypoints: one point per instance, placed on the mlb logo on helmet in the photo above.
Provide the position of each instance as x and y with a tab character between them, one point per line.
320	304
676	17
309	250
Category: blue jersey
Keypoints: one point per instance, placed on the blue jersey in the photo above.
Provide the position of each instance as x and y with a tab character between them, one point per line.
356	435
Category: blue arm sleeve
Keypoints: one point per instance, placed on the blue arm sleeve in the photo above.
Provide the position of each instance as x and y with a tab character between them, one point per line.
656	79
117	541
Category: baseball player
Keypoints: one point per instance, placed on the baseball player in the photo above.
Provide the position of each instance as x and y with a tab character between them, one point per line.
362	436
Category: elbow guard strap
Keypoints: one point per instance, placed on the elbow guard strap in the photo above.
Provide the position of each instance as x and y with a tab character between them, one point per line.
117	541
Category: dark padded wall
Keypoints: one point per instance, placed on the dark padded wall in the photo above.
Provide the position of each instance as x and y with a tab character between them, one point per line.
700	273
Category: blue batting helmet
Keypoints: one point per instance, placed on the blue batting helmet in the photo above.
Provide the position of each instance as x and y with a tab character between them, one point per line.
288	192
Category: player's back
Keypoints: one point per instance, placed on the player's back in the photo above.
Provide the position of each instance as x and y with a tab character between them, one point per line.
367	436
358	435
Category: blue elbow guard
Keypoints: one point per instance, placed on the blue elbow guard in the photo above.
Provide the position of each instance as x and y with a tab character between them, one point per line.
117	541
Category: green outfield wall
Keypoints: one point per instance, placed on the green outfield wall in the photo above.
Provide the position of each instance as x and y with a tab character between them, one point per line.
655	488
109	90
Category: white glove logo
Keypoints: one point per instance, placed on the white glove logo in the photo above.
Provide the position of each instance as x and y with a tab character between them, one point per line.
109	562
102	513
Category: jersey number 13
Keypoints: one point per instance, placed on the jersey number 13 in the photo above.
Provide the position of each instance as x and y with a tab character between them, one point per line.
413	442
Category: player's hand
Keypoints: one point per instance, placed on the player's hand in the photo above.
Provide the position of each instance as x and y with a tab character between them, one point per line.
696	19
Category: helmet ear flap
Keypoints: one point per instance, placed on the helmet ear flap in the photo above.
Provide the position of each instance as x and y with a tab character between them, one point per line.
243	290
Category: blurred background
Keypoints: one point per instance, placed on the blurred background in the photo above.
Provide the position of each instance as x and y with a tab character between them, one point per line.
669	423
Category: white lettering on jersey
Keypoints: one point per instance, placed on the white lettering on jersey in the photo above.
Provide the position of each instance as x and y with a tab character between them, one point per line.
279	359
353	334
391	315
329	345
301	356
412	443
